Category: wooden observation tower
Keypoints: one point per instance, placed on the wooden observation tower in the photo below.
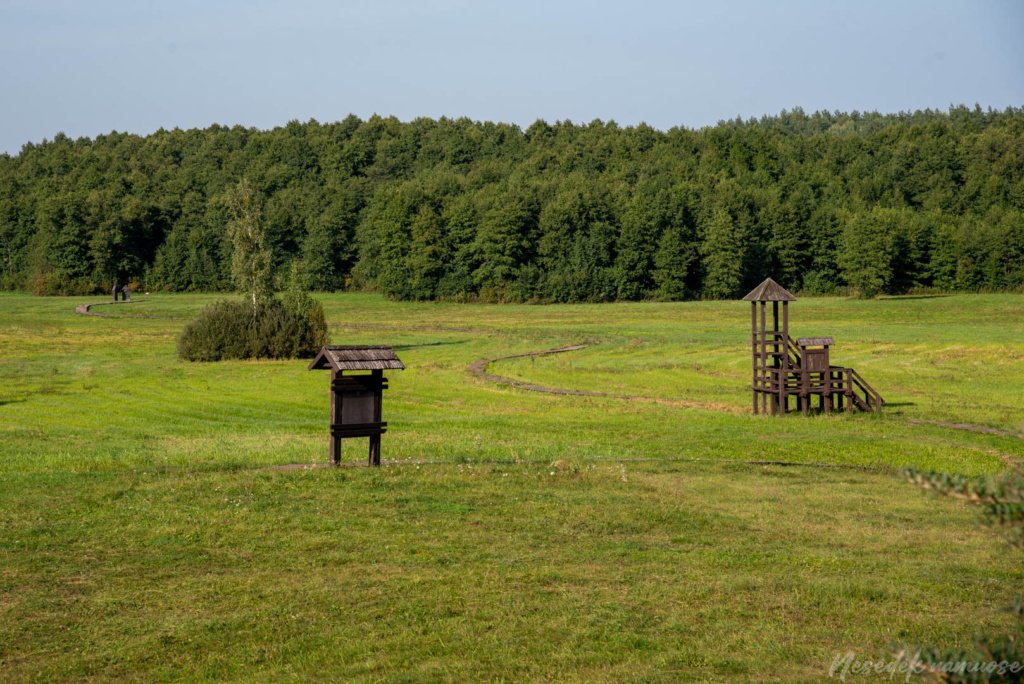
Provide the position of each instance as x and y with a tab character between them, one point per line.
784	368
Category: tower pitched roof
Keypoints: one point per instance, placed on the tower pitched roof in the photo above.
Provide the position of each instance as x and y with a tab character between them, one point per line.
769	291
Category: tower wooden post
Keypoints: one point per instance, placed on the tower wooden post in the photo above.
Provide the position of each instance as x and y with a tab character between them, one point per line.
784	344
770	359
753	348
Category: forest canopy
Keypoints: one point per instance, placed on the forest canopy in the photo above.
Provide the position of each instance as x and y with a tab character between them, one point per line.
463	210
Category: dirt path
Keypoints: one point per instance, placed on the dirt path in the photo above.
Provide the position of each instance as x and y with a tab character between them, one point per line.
388	463
403	328
968	428
87	310
479	369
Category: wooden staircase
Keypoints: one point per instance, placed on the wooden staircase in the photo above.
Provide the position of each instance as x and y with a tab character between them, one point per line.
843	386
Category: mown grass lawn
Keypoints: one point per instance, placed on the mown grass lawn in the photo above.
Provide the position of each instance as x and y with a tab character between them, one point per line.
516	535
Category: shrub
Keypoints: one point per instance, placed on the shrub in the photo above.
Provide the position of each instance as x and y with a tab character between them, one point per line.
276	329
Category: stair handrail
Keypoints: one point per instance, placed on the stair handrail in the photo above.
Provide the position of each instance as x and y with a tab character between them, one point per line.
876	399
795	351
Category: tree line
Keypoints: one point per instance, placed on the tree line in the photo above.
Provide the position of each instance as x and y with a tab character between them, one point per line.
555	212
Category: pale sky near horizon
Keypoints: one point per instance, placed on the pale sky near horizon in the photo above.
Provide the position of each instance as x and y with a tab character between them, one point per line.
85	68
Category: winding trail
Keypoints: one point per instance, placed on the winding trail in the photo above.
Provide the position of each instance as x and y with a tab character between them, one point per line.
387	463
403	328
479	369
967	427
86	310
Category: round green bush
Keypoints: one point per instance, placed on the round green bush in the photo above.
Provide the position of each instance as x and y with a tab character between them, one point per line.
294	327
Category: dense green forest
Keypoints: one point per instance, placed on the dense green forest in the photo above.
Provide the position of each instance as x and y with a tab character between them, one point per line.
458	209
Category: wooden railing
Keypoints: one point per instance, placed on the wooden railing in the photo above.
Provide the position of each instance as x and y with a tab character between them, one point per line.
872	398
784	343
845	384
842	387
795	359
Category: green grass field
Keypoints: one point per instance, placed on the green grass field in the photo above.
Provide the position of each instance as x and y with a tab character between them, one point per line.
513	535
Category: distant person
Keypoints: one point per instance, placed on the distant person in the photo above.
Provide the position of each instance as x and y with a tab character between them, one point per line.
115	292
127	293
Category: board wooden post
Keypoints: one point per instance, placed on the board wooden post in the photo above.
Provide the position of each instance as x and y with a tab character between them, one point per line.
379	381
335	448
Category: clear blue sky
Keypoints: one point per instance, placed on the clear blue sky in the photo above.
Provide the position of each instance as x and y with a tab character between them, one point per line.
91	67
